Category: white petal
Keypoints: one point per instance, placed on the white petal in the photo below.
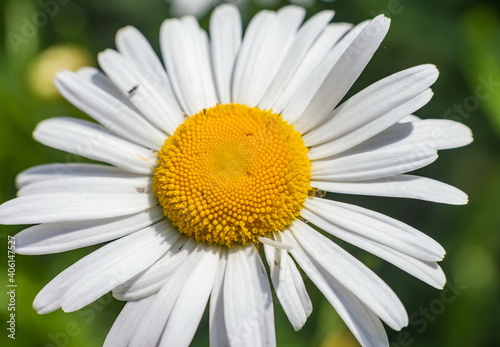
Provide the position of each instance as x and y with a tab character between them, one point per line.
260	24
410	118
429	133
382	162
313	69
190	305
400	186
363	323
300	287
127	185
225	35
446	134
302	44
427	271
60	237
267	40
368	130
289	286
195	7
372	103
343	74
149	331
185	51
152	279
248	304
94	142
373	226
137	50
111	112
98	79
273	243
432	133
439	133
70	207
127	321
99	272
353	275
140	88
58	171
113	269
218	333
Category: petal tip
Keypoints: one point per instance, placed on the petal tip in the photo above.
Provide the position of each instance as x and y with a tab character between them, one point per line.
458	198
224	8
383	19
42	307
126	29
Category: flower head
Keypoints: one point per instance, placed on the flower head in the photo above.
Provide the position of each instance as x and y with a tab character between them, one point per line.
231	174
225	149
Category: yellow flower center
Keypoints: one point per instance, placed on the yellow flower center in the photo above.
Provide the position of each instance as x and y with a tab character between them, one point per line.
232	173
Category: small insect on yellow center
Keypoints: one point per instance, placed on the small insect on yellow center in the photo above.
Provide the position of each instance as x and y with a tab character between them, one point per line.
232	173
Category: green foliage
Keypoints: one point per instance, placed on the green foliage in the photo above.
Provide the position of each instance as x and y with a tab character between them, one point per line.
482	38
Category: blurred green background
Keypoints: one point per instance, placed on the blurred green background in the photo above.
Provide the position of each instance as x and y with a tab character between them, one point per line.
461	37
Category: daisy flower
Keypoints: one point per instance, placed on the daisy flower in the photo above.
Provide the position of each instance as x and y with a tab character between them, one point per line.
224	150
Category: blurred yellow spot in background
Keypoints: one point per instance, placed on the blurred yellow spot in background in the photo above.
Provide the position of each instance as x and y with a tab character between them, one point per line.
41	72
